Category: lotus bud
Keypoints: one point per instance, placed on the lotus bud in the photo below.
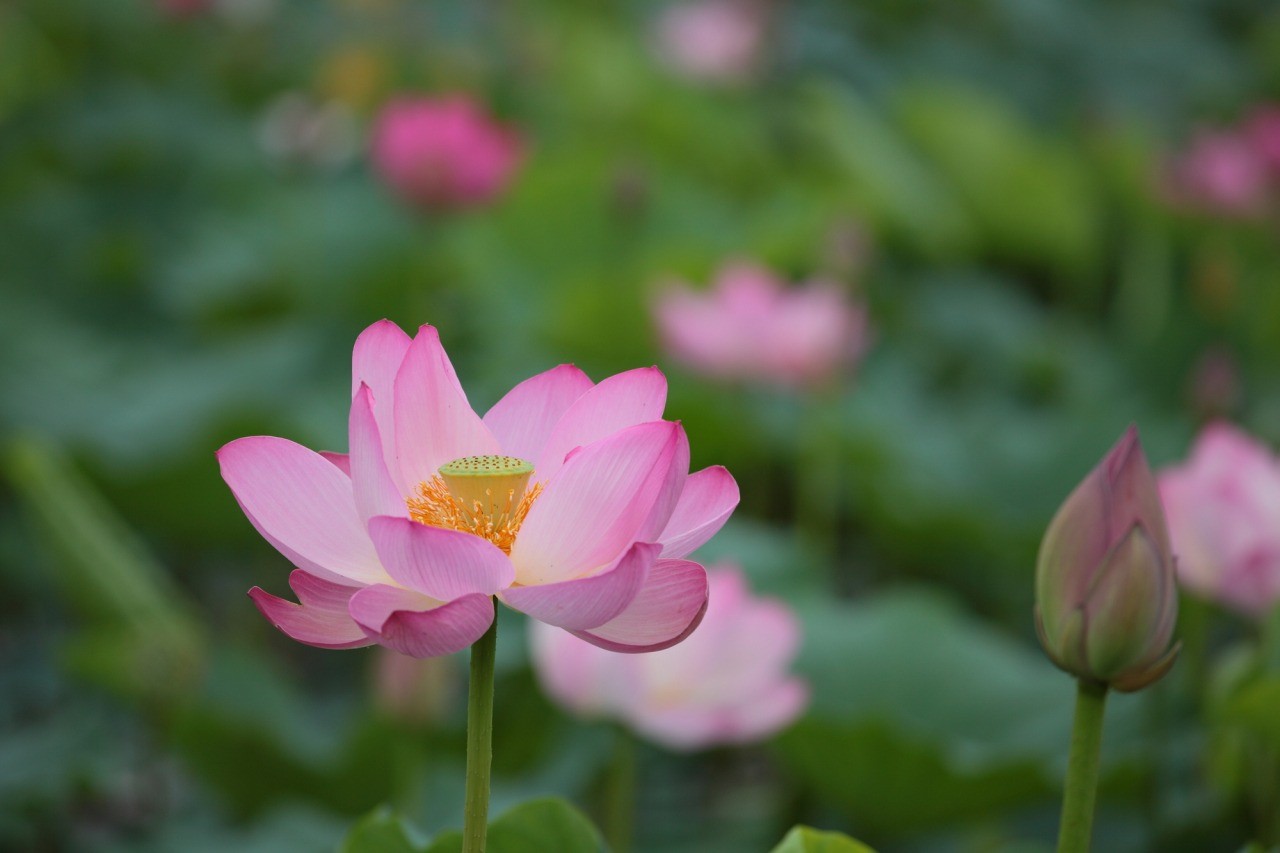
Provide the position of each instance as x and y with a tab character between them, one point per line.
1106	598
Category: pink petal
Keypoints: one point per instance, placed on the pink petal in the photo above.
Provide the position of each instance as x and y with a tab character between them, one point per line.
416	625
669	494
342	460
587	602
667	609
321	619
587	680
623	400
592	509
523	419
708	499
373	489
303	505
434	423
444	564
744	720
375	360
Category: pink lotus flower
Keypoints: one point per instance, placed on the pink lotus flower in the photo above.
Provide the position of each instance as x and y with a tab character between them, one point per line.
404	541
718	41
1263	132
728	683
1221	172
749	326
1224	516
443	153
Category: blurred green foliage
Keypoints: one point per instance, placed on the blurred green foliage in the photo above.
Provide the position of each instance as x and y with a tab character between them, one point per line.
170	281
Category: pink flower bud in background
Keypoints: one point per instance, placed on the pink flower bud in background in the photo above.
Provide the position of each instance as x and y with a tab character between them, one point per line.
1220	172
1224	517
727	683
749	326
718	41
1263	131
443	153
1106	600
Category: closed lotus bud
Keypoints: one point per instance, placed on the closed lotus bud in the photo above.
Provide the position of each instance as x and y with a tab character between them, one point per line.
1106	598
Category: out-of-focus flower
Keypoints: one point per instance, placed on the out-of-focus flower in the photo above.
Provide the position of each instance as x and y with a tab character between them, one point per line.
1263	132
443	153
750	326
1214	387
416	691
718	41
1106	599
1220	172
297	130
728	683
569	500
1224	518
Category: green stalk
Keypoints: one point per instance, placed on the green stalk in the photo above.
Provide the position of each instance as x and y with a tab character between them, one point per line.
620	794
475	818
1081	788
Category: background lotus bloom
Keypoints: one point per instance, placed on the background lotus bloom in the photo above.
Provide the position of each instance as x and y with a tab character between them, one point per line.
714	40
1221	172
750	326
1106	600
443	153
1224	517
1263	131
570	500
728	683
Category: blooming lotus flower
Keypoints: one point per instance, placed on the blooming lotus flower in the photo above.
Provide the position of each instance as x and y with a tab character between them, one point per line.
443	153
1106	601
569	500
719	41
1221	172
728	683
749	326
1224	517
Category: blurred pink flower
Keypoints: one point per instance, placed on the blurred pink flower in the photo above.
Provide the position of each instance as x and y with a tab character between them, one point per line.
1223	506
443	153
728	683
719	41
1263	131
1220	172
569	500
750	326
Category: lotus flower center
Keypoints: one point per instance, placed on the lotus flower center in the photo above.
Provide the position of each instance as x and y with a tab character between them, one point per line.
486	496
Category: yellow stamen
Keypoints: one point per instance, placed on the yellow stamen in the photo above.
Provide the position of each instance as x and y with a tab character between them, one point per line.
481	495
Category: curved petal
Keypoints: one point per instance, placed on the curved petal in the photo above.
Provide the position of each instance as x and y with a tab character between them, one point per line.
708	499
374	491
303	505
444	564
623	400
321	619
375	360
522	420
416	625
587	602
342	460
434	423
666	610
672	487
595	506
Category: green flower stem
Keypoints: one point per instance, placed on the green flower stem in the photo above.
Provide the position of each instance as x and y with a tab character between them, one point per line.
1081	789
475	819
620	794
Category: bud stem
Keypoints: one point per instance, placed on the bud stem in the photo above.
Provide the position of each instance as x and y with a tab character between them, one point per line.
1081	787
475	814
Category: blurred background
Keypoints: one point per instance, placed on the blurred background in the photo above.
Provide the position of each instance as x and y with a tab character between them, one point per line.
1044	219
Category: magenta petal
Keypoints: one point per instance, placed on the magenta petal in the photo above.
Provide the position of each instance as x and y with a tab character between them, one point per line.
342	460
416	625
523	419
595	506
444	564
375	360
623	400
303	505
320	620
708	499
375	493
589	602
665	611
434	423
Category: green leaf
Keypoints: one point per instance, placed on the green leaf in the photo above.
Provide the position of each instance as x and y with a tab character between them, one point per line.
1254	708
540	826
379	832
805	839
